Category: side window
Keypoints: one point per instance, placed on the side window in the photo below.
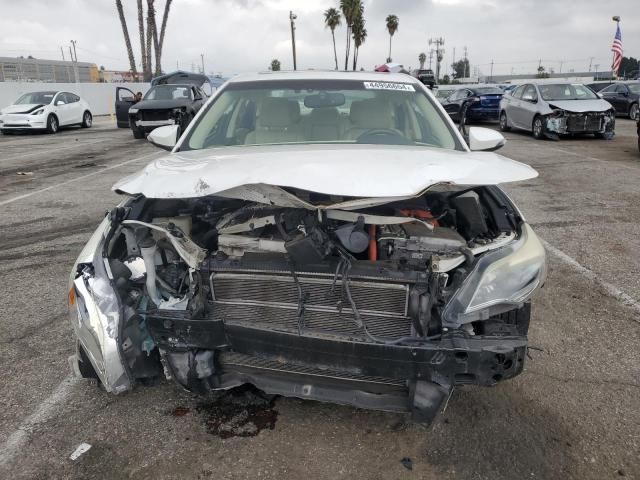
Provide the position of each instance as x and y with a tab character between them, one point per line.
467	93
621	89
609	89
529	94
70	97
517	93
61	97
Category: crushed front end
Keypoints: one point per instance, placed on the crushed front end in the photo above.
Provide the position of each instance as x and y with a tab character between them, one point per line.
563	122
389	306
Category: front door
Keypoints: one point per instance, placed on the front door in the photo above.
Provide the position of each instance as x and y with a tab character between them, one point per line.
124	100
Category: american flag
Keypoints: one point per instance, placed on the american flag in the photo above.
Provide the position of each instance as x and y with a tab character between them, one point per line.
616	48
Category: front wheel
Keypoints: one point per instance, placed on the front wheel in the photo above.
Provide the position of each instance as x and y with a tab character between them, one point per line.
52	124
538	128
87	120
138	133
504	124
634	112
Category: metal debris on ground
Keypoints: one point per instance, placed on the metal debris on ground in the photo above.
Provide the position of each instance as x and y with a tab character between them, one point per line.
407	463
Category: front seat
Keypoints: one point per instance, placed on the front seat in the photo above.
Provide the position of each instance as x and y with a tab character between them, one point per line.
371	114
277	122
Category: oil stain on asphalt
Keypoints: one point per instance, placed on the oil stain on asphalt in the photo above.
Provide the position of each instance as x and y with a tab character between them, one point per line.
240	412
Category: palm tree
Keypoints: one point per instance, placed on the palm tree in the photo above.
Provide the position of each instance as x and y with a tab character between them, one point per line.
127	40
359	36
143	50
421	59
151	15
160	43
332	20
275	65
350	10
392	27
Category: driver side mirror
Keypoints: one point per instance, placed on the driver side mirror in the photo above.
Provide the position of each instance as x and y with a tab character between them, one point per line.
60	102
484	139
164	137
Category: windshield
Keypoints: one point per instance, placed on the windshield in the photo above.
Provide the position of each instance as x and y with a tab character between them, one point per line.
634	87
40	98
168	92
321	111
566	91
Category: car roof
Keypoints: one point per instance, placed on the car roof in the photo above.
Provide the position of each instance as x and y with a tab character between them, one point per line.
326	75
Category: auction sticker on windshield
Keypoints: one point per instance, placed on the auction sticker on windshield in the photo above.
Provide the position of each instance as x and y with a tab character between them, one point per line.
405	87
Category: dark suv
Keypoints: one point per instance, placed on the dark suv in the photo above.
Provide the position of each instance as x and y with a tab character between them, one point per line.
624	97
173	99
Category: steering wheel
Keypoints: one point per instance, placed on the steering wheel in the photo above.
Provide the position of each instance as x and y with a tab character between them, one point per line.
383	136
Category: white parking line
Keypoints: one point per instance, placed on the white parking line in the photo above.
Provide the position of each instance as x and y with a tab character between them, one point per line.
45	411
82	177
609	288
587	157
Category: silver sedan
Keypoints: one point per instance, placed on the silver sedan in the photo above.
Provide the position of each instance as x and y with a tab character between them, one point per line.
553	109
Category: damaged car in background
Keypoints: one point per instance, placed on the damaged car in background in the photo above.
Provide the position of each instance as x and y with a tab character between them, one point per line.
549	110
326	236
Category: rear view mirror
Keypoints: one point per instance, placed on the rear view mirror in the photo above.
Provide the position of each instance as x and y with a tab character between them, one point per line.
324	100
164	137
485	139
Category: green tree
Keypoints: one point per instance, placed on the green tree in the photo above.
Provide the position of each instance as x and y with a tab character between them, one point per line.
351	9
359	36
332	20
542	73
421	59
446	80
392	27
275	65
629	67
461	68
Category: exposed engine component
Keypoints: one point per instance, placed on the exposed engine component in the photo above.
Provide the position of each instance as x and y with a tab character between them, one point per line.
353	236
394	243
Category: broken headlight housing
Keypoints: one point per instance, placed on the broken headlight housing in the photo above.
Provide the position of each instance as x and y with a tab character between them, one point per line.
501	280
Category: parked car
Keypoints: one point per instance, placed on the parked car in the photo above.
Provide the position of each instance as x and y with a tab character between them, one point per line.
322	235
625	97
442	92
553	109
173	99
427	77
474	104
45	111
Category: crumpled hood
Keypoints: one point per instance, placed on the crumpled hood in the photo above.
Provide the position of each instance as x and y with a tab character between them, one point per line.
22	108
161	104
348	170
580	106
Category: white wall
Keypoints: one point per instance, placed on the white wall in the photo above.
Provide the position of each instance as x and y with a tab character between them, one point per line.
101	96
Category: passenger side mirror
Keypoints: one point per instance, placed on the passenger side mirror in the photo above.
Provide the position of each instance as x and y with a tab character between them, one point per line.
60	102
164	137
600	95
485	139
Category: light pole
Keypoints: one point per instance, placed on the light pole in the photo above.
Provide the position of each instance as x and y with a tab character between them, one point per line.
438	42
75	60
292	18
202	61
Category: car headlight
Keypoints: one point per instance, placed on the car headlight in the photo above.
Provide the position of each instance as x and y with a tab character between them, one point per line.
133	110
40	111
500	280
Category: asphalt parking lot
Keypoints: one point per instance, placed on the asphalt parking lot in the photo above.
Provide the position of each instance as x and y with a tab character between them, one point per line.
573	414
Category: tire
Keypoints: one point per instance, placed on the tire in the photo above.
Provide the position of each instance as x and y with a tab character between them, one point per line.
537	128
504	124
138	133
52	124
87	120
634	111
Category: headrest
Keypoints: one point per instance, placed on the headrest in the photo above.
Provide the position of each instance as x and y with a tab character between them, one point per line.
371	113
278	112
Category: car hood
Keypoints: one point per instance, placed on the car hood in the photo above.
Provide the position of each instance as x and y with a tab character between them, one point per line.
22	108
257	173
580	106
161	104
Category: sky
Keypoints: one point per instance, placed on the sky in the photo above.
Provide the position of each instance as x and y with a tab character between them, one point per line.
238	36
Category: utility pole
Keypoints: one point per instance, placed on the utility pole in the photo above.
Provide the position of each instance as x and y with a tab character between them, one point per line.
595	77
590	62
292	18
491	75
454	56
62	52
438	42
430	58
466	63
74	58
202	60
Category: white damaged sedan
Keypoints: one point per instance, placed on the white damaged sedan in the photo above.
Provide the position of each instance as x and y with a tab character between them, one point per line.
327	236
46	111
